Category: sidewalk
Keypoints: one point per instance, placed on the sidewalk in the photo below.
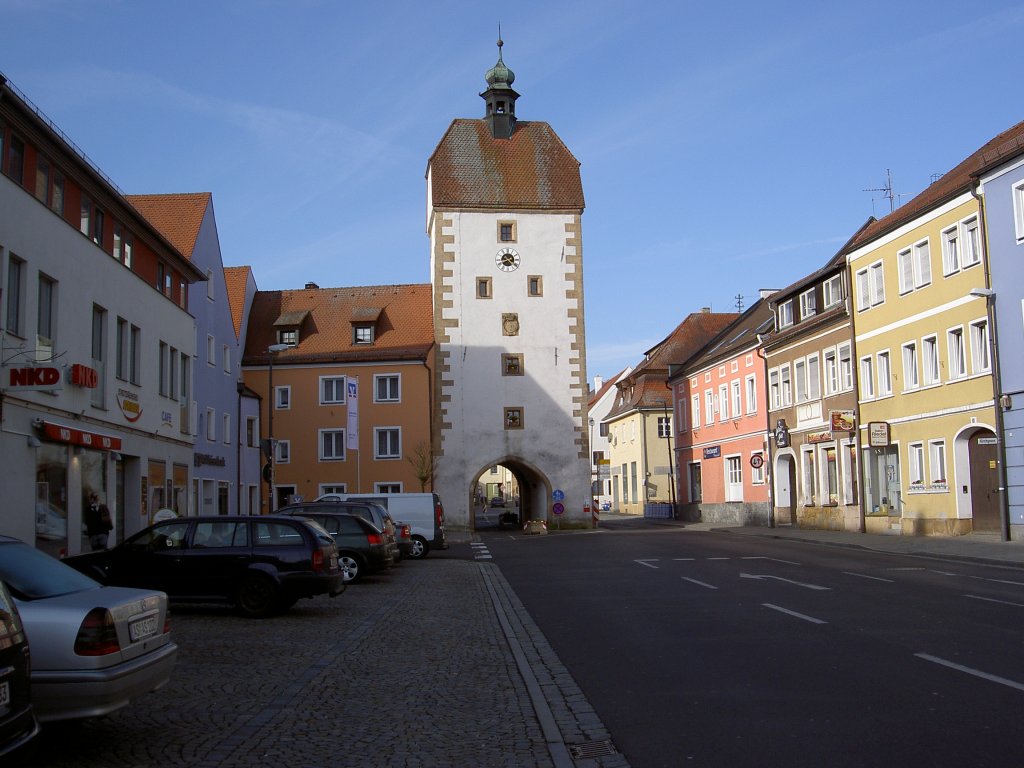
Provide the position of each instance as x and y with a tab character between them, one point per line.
974	547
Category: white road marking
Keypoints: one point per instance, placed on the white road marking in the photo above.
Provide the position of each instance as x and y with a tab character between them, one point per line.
999	581
689	559
648	563
945	573
773	559
803	616
865	576
993	600
779	578
969	671
718	558
699	583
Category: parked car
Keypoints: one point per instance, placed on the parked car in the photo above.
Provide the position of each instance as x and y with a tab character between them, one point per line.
403	535
497	501
362	547
18	724
262	565
94	648
374	513
424	512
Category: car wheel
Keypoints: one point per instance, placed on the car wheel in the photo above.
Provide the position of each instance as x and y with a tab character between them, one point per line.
257	596
419	548
351	568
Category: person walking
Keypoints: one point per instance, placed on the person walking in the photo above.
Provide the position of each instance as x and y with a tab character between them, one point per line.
97	522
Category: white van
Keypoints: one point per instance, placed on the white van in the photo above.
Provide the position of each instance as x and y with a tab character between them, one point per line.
422	511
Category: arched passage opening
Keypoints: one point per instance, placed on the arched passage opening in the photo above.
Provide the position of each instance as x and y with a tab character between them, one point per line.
507	493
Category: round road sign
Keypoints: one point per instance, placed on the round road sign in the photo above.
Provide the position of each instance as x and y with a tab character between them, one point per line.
557	508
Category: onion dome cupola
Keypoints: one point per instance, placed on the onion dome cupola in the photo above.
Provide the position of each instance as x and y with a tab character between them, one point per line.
500	98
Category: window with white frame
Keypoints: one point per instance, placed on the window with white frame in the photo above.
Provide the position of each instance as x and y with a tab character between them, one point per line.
774	388
877	284
915	464
751	383
387	388
922	264
695	411
387	442
867	378
951	250
283	452
709	406
957	353
870	286
808	478
211	424
387	487
981	360
972	242
332	444
734	478
332	390
282	398
734	366
787	386
845	367
211	350
813	377
807	304
831	362
785	314
723	402
832	291
929	360
737	402
226	352
757	468
1018	209
937	462
800	379
227	428
829	475
664	426
884	374
326	488
910	375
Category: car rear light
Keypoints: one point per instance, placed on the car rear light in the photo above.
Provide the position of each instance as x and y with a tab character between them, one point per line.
374	538
97	636
318	561
439	513
167	622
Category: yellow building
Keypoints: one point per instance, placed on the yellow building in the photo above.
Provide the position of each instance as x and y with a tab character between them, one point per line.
924	365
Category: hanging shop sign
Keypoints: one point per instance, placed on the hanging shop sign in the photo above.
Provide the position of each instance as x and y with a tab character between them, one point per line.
878	434
73	436
781	434
819	437
33	378
841	421
84	376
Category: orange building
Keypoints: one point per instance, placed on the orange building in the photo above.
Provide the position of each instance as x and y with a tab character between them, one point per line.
350	371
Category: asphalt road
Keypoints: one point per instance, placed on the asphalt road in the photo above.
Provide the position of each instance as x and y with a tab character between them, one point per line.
711	649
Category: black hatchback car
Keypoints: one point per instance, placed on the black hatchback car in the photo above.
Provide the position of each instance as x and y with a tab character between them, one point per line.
362	547
260	564
18	724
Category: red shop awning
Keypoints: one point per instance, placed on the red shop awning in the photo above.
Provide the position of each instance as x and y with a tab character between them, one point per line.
74	436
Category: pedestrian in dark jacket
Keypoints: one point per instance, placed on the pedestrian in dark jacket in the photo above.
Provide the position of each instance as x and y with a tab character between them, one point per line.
97	522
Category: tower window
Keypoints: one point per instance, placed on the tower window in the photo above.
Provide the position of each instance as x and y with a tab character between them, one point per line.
535	285
512	365
500	109
483	288
513	418
506	231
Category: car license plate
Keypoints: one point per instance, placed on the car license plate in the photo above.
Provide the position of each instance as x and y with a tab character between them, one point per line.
334	562
142	628
5	694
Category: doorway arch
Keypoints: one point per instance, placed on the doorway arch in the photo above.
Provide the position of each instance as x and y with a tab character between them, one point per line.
533	490
785	488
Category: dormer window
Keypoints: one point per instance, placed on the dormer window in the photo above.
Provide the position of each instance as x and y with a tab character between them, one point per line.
362	334
289	325
289	337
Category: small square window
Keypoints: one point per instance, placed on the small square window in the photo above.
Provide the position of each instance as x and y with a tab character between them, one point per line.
289	337
513	418
362	334
506	231
535	285
512	365
483	288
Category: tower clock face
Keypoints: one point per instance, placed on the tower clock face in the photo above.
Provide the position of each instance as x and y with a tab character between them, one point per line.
507	260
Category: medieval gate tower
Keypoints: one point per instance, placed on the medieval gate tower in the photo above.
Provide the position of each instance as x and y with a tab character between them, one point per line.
504	208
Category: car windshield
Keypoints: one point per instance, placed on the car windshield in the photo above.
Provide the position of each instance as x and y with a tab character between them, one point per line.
32	574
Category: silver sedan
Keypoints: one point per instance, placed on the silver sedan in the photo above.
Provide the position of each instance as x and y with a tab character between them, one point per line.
94	648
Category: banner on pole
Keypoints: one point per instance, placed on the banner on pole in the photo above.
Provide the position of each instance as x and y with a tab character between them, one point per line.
352	433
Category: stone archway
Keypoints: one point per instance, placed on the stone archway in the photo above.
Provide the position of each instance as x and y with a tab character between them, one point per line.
533	491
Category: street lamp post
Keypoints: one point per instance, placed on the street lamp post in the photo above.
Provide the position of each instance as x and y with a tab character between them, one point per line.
273	349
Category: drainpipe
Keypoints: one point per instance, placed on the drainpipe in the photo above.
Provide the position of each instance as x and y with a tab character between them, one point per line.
769	463
239	386
990	312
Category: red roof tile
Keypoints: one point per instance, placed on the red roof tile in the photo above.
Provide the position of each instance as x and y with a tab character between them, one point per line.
404	329
177	216
531	170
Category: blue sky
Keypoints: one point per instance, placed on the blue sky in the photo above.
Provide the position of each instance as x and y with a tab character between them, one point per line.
724	149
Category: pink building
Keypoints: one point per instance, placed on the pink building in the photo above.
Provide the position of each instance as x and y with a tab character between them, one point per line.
722	425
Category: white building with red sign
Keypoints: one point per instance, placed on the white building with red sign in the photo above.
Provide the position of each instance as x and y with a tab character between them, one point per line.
96	344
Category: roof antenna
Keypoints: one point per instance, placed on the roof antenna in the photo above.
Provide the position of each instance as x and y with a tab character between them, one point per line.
886	190
739	302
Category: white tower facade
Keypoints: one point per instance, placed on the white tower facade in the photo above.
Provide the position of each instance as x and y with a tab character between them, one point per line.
504	208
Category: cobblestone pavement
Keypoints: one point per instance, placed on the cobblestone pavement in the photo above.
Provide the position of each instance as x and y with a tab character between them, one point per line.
433	664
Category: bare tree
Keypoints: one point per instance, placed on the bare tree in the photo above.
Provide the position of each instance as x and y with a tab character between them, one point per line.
423	464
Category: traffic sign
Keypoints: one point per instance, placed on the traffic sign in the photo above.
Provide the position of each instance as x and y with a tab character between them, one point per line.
558	495
557	508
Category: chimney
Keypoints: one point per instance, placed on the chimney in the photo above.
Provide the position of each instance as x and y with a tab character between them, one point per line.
705	310
311	286
598	383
